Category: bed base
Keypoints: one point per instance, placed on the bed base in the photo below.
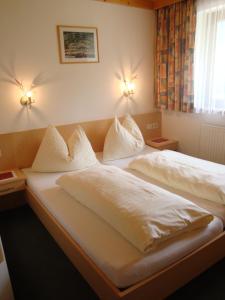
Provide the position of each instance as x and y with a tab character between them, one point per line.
154	287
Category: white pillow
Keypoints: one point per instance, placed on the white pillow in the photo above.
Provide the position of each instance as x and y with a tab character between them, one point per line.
123	140
134	130
54	156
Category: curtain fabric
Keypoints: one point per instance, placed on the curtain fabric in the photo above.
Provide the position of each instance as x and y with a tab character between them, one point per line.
176	26
209	71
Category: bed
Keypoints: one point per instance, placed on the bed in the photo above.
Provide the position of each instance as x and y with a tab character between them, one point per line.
112	266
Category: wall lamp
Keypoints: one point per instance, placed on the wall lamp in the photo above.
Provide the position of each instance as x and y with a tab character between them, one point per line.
128	88
27	99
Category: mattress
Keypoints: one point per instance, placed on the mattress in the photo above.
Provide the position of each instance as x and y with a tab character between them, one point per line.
122	263
217	209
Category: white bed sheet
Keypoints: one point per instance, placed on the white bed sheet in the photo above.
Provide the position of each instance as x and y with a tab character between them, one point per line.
124	162
116	257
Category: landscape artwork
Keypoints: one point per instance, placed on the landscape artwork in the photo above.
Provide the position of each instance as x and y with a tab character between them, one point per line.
77	44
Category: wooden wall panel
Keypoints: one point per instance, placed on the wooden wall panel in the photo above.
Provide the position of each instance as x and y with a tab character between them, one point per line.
19	148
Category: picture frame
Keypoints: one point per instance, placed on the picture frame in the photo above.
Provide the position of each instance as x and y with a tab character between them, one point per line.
77	44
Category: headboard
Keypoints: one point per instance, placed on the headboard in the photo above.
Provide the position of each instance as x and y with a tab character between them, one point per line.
19	148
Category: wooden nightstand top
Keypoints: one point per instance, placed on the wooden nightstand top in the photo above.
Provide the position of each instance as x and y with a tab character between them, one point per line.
163	143
11	181
11	175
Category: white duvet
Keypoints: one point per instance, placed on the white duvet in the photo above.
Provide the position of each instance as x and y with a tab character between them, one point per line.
201	178
143	213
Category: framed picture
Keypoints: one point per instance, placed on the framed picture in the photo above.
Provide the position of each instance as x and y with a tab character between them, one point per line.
77	44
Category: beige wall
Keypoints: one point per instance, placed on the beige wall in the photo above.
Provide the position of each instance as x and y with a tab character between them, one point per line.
186	129
74	92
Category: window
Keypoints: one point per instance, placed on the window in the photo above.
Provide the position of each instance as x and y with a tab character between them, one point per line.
209	66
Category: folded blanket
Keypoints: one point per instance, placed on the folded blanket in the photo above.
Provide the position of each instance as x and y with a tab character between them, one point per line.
143	213
199	177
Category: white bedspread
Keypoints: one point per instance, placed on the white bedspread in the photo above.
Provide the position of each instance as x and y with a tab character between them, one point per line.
143	213
199	177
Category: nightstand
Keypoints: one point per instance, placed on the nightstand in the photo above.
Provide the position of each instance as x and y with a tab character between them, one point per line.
12	186
163	144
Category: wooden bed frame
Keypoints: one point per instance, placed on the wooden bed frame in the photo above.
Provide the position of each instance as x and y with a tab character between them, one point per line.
158	286
155	287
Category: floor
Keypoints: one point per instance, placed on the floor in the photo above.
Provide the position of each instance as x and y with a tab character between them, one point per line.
39	270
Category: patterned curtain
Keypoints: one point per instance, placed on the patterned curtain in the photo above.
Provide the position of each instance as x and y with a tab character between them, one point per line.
176	26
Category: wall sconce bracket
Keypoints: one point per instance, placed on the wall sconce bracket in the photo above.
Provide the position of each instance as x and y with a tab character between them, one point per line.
27	100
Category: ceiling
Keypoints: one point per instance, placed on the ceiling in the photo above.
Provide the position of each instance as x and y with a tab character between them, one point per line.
148	4
158	3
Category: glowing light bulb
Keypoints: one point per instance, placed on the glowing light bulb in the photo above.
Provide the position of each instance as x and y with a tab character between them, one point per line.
29	94
128	88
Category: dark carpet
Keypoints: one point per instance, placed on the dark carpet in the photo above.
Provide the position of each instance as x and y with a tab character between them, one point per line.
39	270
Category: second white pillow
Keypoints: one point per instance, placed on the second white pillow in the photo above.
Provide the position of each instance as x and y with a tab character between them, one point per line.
122	140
